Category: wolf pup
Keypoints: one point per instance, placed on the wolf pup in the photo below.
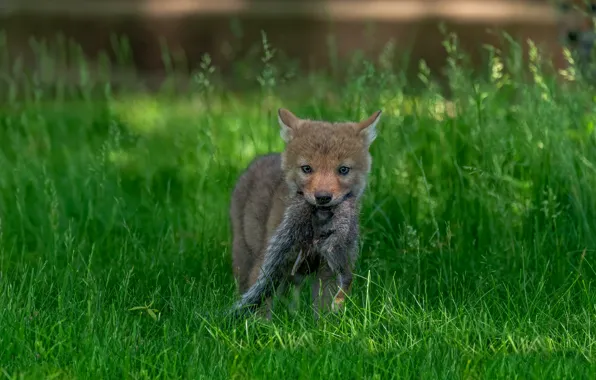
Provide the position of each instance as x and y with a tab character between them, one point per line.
295	213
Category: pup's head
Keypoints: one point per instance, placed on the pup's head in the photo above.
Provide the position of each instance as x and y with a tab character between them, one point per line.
326	162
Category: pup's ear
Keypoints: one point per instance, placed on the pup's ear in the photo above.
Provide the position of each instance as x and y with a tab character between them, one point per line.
287	123
368	128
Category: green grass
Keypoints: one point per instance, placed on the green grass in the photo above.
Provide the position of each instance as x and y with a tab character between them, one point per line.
478	231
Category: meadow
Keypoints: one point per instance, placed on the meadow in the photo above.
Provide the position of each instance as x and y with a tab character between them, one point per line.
478	225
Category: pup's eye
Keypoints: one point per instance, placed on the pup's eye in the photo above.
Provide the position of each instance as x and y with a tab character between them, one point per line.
343	170
593	7
306	169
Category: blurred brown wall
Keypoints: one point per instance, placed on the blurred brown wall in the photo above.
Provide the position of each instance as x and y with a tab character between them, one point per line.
298	27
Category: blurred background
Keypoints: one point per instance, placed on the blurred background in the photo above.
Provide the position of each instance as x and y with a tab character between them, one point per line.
478	231
310	33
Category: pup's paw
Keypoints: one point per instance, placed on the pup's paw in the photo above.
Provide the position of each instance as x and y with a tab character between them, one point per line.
338	304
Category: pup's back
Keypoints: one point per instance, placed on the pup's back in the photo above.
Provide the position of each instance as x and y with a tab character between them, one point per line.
255	211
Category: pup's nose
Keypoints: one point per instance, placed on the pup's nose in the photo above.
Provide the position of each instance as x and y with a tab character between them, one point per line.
322	198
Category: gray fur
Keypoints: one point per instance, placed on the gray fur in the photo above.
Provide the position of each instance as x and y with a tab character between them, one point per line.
328	234
294	231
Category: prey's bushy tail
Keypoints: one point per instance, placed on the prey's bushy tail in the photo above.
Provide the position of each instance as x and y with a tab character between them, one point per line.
281	254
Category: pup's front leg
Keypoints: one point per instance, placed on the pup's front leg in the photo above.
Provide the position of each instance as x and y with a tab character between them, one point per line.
340	264
323	289
332	285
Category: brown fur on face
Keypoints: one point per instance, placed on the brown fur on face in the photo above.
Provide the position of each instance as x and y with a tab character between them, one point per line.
324	159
